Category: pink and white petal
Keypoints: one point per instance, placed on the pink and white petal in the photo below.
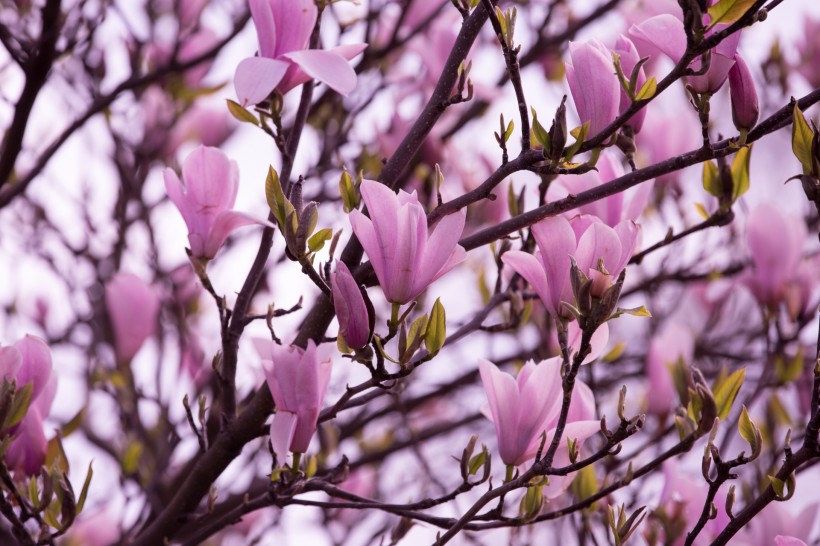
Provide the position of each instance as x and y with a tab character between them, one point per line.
401	275
638	201
327	67
282	429
663	32
441	244
532	270
598	343
176	193
257	77
265	24
502	395
628	233
348	51
781	540
295	20
226	223
599	242
211	180
10	362
582	405
366	234
540	399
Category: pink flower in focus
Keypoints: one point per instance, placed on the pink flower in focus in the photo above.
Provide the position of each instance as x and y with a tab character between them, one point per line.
133	308
405	257
284	28
666	33
205	197
590	241
355	313
298	383
671	344
745	109
629	59
522	409
592	82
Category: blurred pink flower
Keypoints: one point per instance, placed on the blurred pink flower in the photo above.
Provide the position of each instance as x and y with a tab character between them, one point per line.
405	257
781	540
284	28
592	82
672	343
809	48
133	308
683	496
356	316
27	450
205	197
776	244
781	521
206	125
589	240
522	409
298	383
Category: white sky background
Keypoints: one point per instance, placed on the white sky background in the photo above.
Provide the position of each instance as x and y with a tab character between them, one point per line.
82	164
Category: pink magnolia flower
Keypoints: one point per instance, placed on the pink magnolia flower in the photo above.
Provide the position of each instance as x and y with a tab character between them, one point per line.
629	58
672	343
298	383
27	450
205	197
683	496
666	33
783	522
745	109
206	125
809	48
611	210
133	308
525	407
776	244
405	257
592	82
284	28
356	316
590	241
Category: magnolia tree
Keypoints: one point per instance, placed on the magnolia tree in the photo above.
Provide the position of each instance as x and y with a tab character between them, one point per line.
497	272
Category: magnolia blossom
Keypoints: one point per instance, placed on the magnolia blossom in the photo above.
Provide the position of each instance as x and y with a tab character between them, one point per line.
298	383
27	450
405	257
524	408
781	525
776	244
205	197
683	497
284	28
600	251
133	308
745	109
354	311
592	82
666	33
629	58
809	48
628	205
674	342
781	540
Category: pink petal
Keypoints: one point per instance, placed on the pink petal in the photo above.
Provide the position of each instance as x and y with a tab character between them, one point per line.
262	14
533	272
257	77
540	401
664	32
593	85
224	224
598	242
502	395
282	429
556	242
441	246
36	363
781	540
10	362
133	307
326	66
366	234
295	20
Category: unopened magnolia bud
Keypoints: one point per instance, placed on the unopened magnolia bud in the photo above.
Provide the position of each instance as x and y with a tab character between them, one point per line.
745	108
